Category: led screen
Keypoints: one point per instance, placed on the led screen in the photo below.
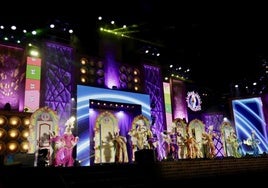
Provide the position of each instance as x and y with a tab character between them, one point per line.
248	116
84	95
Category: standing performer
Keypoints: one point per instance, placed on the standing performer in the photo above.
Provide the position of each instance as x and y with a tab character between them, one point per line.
121	154
253	142
70	141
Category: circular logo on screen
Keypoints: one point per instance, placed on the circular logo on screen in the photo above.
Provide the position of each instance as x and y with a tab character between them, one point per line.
193	101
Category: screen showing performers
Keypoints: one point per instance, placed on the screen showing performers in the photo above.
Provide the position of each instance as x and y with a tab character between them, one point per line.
250	124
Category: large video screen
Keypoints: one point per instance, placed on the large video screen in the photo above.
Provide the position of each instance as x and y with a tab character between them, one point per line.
87	93
249	116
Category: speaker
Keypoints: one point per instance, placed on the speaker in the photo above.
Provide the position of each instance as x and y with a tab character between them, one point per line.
145	156
24	159
2	158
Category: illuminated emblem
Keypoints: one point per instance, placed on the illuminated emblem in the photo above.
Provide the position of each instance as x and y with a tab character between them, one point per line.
45	116
193	101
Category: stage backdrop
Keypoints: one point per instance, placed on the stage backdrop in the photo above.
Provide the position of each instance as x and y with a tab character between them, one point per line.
86	114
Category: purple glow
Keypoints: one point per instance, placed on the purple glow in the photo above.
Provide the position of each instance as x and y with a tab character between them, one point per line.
179	99
58	78
111	72
154	87
214	119
12	77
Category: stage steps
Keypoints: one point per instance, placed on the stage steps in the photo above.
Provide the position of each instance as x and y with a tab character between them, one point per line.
220	171
212	167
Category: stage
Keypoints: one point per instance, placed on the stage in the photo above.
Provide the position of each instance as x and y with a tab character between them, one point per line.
187	172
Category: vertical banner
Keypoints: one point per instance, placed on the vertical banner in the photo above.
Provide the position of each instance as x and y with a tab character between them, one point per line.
168	107
32	84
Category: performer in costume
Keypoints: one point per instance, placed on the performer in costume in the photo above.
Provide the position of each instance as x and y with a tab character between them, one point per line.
253	142
70	141
174	148
165	143
58	155
191	144
64	144
181	126
121	154
140	136
209	147
233	141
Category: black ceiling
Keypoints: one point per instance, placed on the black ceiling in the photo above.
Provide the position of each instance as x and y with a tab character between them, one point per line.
216	52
